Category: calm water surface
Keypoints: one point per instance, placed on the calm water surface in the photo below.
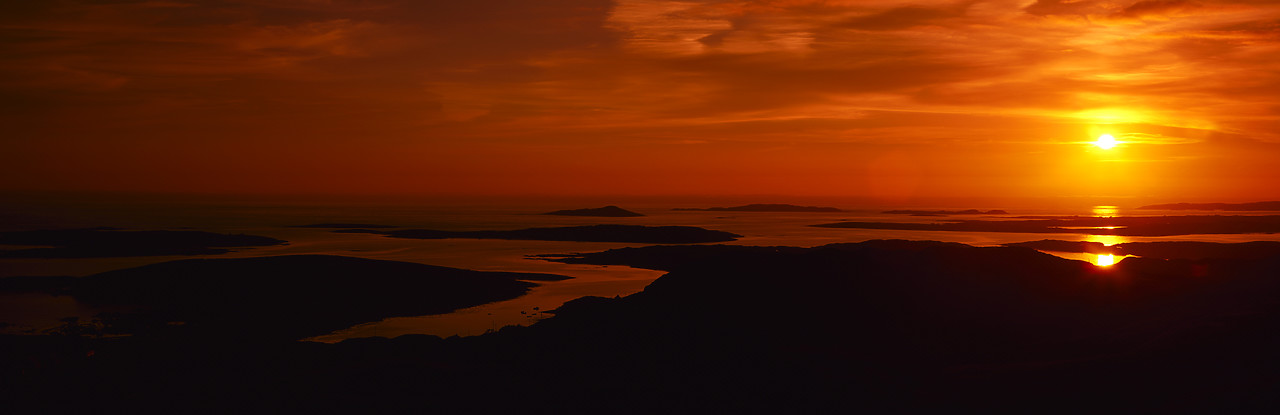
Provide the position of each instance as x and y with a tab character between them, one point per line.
34	312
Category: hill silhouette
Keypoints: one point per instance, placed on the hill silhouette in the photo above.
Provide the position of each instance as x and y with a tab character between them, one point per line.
607	211
281	297
873	327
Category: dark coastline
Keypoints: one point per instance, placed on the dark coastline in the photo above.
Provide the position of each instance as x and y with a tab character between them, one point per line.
272	298
879	326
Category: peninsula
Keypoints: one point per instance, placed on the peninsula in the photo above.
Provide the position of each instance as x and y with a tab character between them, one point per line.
279	297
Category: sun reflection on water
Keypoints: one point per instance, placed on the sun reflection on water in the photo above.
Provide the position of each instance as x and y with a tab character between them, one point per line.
1106	240
1107	257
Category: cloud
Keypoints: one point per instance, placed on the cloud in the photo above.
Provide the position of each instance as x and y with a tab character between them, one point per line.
1149	138
1148	9
640	60
464	78
907	17
1072	7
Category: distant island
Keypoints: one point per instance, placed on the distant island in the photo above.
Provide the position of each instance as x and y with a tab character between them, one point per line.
344	226
607	211
946	212
592	233
112	243
1237	207
765	207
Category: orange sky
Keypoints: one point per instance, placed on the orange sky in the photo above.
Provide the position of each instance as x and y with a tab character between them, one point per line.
882	98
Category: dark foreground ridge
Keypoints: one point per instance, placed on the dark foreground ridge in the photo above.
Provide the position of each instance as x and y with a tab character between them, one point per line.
874	327
280	297
108	243
344	226
945	212
592	233
1124	226
765	207
607	211
1238	207
1163	249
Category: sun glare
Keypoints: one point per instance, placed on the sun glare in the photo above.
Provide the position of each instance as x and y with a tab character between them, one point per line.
1105	142
1105	211
1105	260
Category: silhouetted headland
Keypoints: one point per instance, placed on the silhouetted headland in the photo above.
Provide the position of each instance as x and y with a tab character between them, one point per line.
945	212
56	285
284	297
1163	249
607	211
108	242
765	207
1240	207
344	226
592	233
872	327
1124	226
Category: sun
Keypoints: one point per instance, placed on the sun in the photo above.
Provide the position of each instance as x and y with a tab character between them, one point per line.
1105	142
1105	260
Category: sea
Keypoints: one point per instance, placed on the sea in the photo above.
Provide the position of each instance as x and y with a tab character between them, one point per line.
280	217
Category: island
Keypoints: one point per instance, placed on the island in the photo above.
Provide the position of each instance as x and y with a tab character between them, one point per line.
1123	226
945	212
607	211
764	207
111	242
1239	207
591	233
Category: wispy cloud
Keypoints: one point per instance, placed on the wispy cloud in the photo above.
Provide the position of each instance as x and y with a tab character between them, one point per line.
583	76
